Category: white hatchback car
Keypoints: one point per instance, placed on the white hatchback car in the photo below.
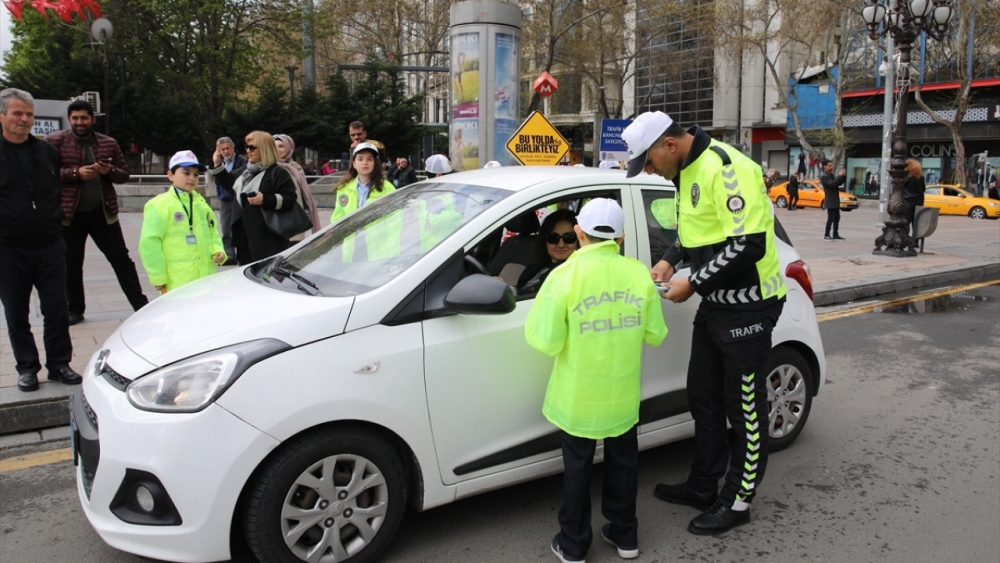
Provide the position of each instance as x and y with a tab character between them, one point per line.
300	403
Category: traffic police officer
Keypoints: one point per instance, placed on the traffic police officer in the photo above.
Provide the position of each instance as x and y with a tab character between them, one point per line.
594	313
726	231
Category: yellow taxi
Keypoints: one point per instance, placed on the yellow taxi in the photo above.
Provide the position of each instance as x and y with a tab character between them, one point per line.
810	195
953	200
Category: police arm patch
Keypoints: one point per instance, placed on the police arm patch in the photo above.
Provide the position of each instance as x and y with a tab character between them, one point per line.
343	200
735	204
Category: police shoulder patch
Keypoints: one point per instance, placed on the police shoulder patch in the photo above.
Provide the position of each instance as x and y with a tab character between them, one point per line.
735	204
695	195
343	200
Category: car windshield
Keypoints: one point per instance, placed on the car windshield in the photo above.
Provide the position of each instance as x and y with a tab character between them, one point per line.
372	246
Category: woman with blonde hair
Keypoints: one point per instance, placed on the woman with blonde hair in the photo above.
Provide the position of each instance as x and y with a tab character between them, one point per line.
913	188
263	185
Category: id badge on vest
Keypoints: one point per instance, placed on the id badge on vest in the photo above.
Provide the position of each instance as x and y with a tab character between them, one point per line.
191	239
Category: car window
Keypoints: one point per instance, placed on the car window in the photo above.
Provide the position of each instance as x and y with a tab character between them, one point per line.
660	212
519	258
952	192
375	244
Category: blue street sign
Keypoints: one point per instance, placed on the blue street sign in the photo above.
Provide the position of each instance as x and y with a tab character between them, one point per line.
612	147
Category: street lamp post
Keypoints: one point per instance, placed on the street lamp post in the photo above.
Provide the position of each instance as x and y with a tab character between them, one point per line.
903	20
291	82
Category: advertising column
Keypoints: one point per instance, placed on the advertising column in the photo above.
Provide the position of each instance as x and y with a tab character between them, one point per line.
485	71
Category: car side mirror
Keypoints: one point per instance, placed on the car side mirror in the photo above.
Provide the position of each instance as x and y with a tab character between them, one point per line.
480	295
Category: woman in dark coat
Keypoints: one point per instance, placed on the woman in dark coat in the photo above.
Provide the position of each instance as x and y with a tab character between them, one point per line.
555	243
913	188
264	185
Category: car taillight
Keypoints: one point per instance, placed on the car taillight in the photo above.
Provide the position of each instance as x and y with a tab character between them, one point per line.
799	271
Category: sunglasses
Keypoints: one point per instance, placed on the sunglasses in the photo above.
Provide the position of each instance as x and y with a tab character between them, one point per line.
568	238
251	148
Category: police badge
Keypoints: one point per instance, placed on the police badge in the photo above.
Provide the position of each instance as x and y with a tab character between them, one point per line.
343	200
178	216
735	204
695	195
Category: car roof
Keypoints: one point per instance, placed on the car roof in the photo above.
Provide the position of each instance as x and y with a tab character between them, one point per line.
517	178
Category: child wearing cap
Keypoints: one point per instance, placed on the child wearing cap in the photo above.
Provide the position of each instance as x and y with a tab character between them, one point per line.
365	182
179	242
594	314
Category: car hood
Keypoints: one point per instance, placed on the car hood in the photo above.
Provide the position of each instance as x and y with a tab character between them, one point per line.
228	308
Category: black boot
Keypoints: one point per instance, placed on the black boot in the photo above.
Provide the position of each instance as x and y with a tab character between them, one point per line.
66	375
718	519
682	494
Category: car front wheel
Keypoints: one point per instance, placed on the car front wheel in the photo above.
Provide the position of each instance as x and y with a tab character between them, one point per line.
781	202
789	396
337	494
977	213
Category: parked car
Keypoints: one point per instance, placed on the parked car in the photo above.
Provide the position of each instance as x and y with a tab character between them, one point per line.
810	195
953	200
299	404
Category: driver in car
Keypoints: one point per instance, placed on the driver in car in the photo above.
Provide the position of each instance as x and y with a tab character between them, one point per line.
593	314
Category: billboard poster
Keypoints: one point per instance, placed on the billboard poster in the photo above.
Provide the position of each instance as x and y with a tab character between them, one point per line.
505	95
464	149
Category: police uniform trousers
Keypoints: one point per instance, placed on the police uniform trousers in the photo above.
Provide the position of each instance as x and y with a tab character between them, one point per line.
111	242
44	269
727	379
618	491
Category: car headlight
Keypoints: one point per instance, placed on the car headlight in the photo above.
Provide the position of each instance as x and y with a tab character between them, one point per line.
994	204
192	384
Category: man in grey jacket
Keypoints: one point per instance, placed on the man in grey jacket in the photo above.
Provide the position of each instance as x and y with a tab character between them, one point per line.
831	198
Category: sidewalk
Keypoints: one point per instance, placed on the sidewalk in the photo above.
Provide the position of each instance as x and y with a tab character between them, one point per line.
961	249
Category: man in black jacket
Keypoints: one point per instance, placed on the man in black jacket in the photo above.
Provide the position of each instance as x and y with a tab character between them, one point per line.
32	251
229	165
831	199
405	174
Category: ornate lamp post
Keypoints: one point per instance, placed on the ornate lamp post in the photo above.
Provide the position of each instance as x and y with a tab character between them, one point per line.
904	20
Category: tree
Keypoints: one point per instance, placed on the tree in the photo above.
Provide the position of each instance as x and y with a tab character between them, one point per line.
51	59
784	33
972	18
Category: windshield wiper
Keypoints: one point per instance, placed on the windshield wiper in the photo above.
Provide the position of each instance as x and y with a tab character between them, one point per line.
301	281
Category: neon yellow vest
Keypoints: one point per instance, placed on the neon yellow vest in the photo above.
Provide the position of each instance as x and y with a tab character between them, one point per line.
593	314
716	202
163	248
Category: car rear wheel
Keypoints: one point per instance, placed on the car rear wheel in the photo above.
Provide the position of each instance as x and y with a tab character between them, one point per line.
781	202
789	396
977	213
331	495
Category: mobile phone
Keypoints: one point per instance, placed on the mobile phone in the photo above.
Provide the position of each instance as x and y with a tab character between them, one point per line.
251	194
662	286
106	160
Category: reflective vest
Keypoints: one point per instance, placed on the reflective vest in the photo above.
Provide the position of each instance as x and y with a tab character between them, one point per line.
593	314
347	198
167	221
717	201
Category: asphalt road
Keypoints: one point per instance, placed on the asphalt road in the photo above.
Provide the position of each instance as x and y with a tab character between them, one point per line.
899	462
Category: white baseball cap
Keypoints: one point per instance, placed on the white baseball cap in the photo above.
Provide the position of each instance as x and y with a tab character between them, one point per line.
602	218
493	164
366	146
609	165
640	135
437	164
184	159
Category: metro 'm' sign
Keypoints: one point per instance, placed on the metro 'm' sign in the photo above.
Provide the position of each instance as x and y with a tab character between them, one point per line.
546	85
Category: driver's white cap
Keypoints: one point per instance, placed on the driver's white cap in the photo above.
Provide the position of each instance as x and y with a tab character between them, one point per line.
602	218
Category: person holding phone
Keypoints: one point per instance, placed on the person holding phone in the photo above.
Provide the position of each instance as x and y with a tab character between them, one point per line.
89	166
263	185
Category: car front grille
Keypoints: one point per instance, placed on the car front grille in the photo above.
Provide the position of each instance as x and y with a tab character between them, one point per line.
91	415
117	380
